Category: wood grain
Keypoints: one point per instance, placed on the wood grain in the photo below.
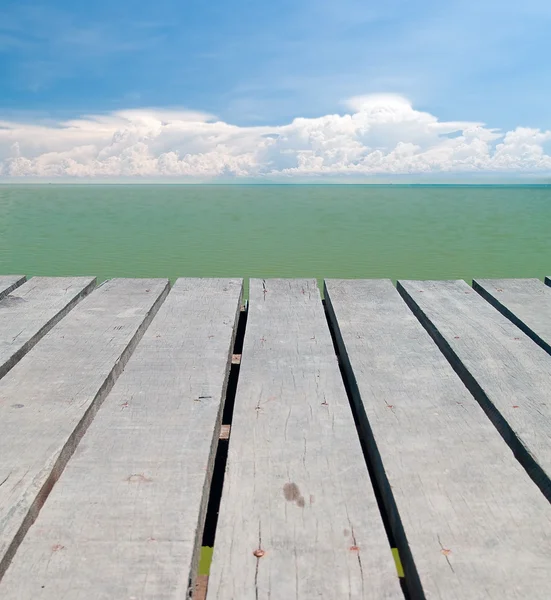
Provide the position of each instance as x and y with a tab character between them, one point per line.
508	374
50	397
127	514
468	520
9	282
32	309
525	302
298	517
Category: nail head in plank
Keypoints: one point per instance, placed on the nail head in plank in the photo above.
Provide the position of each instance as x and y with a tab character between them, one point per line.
49	398
129	508
30	311
507	372
468	516
298	516
8	283
526	302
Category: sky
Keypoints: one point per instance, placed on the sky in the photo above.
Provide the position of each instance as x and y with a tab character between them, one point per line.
281	90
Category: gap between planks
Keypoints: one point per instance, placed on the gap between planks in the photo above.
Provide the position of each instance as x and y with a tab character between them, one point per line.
32	310
411	399
40	481
217	481
8	283
502	368
308	454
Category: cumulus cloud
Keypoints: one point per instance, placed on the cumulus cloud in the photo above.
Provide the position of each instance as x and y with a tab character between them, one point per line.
379	135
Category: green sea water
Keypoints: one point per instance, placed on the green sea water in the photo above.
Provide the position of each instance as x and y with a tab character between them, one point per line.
426	232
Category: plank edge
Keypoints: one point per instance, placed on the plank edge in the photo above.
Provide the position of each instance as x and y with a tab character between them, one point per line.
215	444
374	459
78	432
521	453
22	279
507	313
48	326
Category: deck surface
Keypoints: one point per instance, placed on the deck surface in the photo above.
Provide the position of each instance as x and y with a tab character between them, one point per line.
296	487
9	282
455	493
526	302
128	526
411	422
29	311
505	369
50	396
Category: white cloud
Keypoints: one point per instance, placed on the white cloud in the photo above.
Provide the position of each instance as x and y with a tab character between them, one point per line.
382	134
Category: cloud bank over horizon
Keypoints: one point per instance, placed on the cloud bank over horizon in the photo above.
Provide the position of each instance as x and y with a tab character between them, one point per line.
379	135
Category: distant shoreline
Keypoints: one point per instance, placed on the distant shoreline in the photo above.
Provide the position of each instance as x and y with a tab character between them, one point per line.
265	184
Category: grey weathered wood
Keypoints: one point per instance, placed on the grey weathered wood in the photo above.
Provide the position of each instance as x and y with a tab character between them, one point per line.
31	310
127	514
525	302
50	397
297	490
9	282
468	520
508	374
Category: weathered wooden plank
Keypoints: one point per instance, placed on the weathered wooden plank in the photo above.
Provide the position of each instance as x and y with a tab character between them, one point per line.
525	302
29	312
9	282
298	516
469	521
131	525
508	374
50	397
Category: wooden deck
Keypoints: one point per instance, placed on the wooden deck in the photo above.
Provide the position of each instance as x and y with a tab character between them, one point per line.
384	443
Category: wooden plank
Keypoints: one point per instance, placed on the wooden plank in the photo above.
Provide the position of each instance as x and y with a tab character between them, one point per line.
508	374
50	397
29	312
9	282
298	515
525	302
127	515
468	520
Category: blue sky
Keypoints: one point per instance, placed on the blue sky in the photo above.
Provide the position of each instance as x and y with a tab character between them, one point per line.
266	63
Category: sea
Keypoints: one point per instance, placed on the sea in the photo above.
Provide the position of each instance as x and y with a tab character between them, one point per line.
319	231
